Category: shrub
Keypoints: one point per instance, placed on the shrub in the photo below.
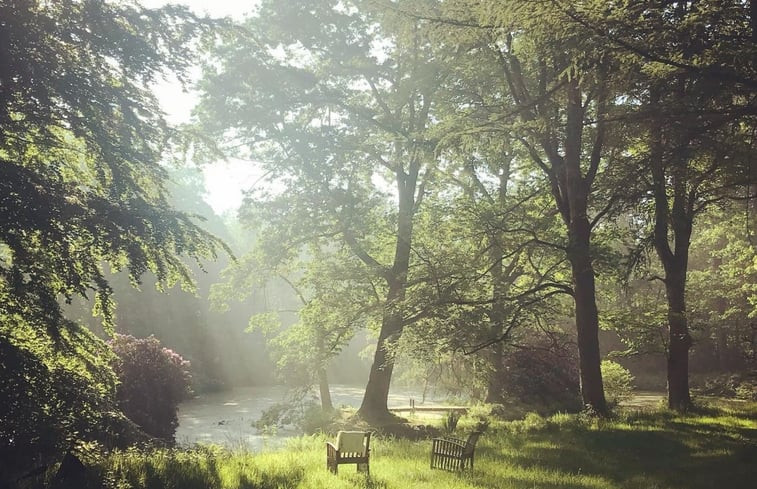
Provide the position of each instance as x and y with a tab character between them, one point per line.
543	377
153	381
618	382
51	399
480	416
735	386
315	420
303	414
449	422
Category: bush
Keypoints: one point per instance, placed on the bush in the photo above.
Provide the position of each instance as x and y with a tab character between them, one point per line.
618	382
449	422
153	381
542	377
51	399
741	386
479	416
305	415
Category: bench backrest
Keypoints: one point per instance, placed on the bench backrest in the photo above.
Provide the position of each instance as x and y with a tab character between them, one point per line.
357	442
470	445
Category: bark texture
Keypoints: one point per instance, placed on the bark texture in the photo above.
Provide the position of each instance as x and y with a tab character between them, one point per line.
323	387
673	222
374	405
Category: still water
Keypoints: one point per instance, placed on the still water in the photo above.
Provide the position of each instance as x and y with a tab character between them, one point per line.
227	418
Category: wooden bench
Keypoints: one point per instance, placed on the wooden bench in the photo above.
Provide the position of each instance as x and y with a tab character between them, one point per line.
352	447
453	453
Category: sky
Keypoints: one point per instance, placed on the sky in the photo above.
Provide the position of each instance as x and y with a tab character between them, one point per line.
225	181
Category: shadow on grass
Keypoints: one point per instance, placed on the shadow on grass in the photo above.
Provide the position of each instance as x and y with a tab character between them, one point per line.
676	455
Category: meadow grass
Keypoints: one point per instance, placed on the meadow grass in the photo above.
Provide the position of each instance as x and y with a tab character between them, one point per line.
716	447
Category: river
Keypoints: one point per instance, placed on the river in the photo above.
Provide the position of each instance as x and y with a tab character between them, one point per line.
227	418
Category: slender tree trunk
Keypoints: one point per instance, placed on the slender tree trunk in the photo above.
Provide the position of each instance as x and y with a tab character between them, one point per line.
721	333
587	318
494	389
497	317
500	286
577	188
323	386
679	220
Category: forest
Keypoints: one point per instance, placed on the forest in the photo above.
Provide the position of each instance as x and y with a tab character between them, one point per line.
536	220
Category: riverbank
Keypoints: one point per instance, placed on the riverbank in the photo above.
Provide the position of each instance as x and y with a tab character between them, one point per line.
228	418
716	447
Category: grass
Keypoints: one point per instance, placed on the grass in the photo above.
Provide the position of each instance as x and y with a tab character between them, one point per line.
716	447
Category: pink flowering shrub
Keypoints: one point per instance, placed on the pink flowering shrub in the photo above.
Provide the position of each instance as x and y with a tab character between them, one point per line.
153	381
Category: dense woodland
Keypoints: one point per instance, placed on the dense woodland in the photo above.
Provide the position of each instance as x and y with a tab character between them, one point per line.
505	201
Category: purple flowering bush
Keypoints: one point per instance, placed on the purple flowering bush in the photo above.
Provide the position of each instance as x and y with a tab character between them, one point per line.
153	381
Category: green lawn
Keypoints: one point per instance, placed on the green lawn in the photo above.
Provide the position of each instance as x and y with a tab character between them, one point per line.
716	448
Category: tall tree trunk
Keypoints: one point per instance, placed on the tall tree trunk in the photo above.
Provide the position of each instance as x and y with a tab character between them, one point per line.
374	406
679	220
498	318
323	387
500	286
587	319
679	340
494	389
576	189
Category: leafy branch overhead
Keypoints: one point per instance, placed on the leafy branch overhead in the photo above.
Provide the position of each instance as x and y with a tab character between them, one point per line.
81	143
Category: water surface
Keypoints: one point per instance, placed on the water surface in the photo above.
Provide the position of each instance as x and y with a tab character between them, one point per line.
227	418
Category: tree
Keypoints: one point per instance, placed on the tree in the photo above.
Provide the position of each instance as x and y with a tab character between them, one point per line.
560	89
341	117
697	148
81	139
321	289
153	380
81	191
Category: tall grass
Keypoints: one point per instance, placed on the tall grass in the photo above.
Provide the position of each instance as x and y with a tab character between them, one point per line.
715	448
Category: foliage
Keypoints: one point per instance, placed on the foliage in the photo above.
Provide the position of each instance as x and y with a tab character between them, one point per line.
543	375
81	139
480	416
722	294
55	395
307	416
82	193
153	380
319	303
449	422
738	386
618	382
